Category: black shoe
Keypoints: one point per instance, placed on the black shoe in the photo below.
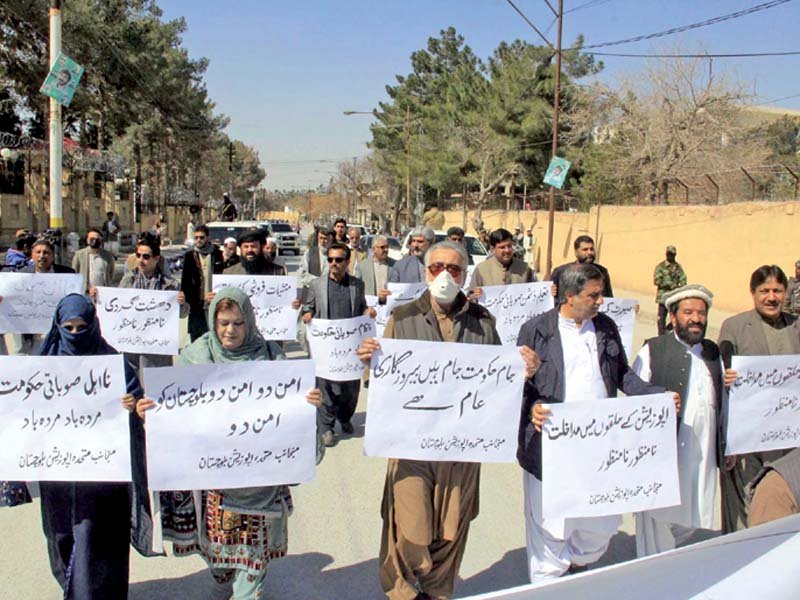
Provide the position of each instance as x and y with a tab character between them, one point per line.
575	569
347	428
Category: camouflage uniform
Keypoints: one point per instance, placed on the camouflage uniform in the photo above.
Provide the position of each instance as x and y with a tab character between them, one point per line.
667	277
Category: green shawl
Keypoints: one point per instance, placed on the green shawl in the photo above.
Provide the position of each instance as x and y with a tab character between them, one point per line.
208	349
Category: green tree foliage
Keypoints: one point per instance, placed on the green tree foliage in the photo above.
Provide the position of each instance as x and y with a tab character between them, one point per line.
141	94
456	121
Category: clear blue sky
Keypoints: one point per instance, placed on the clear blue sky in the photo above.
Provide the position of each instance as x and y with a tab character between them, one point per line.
284	71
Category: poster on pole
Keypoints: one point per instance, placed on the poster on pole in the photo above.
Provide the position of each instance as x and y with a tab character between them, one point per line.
557	172
334	345
608	457
514	304
764	404
230	425
444	401
272	302
29	300
623	312
62	80
61	419
139	321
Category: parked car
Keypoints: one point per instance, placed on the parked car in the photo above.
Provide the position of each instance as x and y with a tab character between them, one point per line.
219	231
474	246
284	233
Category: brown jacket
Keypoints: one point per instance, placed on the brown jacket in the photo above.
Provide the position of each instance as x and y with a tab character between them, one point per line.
491	272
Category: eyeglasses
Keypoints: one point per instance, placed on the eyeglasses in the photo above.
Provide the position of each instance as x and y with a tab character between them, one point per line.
436	268
74	328
336	259
199	237
144	255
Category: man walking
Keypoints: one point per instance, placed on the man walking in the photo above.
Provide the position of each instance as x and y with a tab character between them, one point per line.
582	359
357	255
668	275
428	506
337	296
110	231
377	269
410	268
764	331
199	264
584	254
94	263
685	361
253	261
501	268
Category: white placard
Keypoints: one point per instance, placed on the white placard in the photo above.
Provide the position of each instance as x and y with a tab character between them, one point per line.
61	419
468	278
139	321
444	401
516	303
623	312
372	301
30	299
764	404
334	345
272	302
230	425
382	314
402	293
608	457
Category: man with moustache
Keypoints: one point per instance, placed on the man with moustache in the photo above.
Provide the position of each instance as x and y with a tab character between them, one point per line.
501	268
582	360
685	361
252	260
199	265
584	254
410	268
377	269
338	295
765	330
229	255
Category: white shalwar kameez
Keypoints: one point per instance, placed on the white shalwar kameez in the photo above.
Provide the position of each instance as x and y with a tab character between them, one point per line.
663	529
555	544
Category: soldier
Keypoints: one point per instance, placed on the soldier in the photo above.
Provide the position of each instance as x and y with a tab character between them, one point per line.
791	303
668	276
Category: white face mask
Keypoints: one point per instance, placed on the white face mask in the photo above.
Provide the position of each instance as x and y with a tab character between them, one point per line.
443	288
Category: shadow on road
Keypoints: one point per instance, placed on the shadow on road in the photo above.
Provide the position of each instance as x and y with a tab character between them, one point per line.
302	576
509	571
197	585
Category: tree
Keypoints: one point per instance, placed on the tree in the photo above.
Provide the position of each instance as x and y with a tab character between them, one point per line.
671	121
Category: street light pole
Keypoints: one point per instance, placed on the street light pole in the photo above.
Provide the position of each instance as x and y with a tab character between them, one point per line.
551	214
56	134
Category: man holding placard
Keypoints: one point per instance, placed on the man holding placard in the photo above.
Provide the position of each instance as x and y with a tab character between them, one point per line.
683	360
337	296
428	506
582	360
764	331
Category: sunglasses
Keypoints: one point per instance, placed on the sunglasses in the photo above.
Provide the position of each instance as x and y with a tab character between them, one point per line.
144	255
436	268
336	259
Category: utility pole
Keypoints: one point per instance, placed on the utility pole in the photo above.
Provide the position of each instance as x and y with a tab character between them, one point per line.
56	135
552	208
408	164
230	170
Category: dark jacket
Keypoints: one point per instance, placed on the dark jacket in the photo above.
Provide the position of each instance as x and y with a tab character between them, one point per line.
547	385
192	277
269	268
316	301
407	270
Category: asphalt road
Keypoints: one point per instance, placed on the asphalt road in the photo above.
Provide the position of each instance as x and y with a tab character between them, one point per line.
334	534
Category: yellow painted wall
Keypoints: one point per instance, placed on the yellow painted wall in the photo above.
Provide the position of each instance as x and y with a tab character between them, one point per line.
718	246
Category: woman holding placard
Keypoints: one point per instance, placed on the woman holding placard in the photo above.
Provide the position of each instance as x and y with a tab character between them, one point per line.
88	525
238	531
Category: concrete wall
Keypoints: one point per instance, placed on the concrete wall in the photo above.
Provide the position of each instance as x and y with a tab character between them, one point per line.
718	246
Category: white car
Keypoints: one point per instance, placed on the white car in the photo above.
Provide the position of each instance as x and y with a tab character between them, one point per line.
474	246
